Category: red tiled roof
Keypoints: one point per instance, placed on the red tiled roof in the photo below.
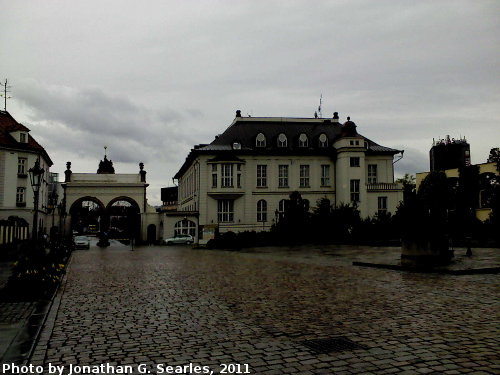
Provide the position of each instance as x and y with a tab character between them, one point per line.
7	125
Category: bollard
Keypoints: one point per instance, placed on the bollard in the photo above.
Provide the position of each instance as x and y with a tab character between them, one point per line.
469	250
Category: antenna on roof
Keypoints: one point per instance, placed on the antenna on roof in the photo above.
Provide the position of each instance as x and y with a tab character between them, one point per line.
6	90
319	107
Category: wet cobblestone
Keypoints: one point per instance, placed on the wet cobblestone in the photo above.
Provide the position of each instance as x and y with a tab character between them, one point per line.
177	306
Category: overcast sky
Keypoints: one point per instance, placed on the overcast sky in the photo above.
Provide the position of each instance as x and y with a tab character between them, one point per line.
150	79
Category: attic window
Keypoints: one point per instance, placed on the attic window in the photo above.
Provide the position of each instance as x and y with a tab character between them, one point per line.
303	141
323	140
282	141
260	140
23	138
236	146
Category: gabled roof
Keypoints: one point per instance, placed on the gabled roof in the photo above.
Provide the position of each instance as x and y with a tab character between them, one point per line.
8	125
244	131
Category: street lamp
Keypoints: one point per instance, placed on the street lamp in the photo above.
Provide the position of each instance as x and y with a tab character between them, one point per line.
61	210
36	174
53	197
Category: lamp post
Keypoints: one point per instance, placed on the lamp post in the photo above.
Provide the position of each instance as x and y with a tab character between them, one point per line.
36	174
53	197
61	210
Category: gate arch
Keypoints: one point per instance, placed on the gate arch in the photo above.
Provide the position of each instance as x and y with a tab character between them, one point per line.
124	218
88	215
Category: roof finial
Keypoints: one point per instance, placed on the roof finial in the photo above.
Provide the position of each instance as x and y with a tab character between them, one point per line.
348	118
105	148
319	107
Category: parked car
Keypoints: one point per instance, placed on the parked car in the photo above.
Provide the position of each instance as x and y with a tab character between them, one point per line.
179	239
82	242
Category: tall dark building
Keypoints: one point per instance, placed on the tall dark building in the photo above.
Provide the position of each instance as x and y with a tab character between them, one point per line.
449	153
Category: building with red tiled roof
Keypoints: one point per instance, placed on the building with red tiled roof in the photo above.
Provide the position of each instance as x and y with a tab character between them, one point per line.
18	153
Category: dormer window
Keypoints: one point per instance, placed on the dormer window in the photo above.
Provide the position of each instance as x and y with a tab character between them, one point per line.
323	140
303	140
282	141
236	146
260	140
23	137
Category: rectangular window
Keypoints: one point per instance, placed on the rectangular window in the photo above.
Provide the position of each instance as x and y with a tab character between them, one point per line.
22	137
372	173
304	176
21	165
354	190
214	167
325	175
20	196
382	205
283	176
225	210
354	161
238	180
226	175
261	175
214	180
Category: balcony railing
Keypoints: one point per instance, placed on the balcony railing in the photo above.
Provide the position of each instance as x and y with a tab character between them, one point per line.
384	186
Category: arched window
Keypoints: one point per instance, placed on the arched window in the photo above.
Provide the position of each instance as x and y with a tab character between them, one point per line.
262	210
306	205
303	141
185	226
260	140
323	140
282	207
282	141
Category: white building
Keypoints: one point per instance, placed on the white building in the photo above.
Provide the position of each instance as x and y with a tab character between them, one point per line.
18	153
241	180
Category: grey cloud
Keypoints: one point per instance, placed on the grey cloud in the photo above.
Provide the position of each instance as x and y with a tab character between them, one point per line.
85	120
414	161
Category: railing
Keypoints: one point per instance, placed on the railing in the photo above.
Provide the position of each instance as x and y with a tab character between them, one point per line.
384	186
12	231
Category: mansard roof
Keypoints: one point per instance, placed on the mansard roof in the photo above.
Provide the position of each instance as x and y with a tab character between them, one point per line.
244	130
8	125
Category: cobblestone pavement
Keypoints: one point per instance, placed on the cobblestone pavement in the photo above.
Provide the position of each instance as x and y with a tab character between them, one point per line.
175	306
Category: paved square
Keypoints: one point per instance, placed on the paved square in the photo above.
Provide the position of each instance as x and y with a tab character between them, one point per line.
175	306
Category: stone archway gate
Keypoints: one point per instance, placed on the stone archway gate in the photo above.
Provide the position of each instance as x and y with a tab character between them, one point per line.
107	188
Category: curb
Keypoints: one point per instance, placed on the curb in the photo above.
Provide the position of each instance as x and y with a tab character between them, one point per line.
394	267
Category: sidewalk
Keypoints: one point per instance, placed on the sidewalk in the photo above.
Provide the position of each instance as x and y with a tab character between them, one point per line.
13	316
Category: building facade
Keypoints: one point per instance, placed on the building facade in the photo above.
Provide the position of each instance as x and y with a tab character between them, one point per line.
115	203
18	153
449	153
243	179
487	171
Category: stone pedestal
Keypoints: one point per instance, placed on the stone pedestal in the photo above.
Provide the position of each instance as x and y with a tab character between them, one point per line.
425	252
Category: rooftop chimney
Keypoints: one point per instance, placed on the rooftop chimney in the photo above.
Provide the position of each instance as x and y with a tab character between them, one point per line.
238	113
335	117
